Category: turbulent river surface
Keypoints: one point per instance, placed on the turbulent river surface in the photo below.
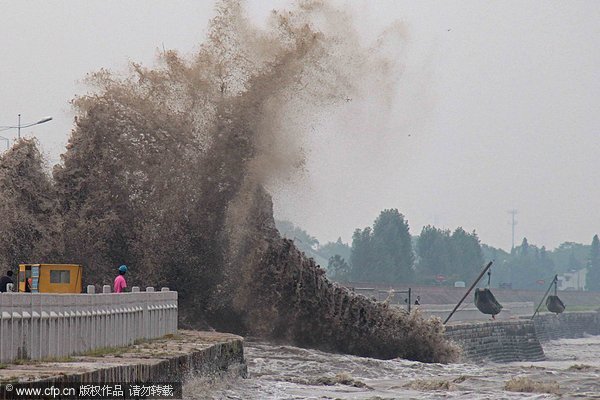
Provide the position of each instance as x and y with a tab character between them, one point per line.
571	370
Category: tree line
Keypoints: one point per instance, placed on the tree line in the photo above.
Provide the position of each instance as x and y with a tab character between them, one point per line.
387	253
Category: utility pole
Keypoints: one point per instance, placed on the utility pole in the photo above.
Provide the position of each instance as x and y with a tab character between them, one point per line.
19	125
513	212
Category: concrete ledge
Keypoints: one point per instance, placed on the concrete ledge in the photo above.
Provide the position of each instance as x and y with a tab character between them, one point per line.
171	358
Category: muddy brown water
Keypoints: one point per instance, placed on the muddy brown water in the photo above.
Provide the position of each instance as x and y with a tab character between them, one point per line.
571	371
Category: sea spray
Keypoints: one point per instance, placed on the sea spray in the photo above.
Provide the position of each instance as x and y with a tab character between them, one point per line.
167	170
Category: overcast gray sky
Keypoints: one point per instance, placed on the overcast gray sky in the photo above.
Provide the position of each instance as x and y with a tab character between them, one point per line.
497	109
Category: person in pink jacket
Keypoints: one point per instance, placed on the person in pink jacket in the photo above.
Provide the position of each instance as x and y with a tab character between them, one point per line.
120	283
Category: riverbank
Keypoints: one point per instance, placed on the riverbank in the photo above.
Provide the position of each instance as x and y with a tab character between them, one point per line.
173	358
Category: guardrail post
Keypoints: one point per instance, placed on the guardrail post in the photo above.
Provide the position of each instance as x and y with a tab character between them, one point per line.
7	319
36	326
62	328
22	319
137	317
78	324
3	338
53	347
45	330
95	333
149	320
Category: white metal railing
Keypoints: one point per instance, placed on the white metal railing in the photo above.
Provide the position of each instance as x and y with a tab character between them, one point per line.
41	326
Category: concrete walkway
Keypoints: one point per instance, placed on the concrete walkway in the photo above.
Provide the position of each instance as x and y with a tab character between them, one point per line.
171	358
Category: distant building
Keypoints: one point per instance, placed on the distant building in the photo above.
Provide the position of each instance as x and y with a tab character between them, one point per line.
572	280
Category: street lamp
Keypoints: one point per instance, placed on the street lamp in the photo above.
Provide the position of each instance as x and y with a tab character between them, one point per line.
19	126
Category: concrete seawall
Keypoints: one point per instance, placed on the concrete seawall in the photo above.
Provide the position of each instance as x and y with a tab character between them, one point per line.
567	325
519	340
172	358
500	341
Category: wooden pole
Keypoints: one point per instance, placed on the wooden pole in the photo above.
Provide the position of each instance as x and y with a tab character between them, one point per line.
546	294
483	271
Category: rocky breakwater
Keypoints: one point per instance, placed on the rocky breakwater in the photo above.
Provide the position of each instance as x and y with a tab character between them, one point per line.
173	358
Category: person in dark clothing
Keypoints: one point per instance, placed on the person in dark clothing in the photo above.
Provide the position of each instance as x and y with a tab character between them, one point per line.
5	280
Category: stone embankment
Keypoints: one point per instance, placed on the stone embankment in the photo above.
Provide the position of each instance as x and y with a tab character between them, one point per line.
172	358
520	340
567	325
499	341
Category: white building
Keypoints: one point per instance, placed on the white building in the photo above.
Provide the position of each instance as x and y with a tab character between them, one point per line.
572	280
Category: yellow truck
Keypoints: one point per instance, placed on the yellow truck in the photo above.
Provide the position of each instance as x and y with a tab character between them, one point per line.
50	278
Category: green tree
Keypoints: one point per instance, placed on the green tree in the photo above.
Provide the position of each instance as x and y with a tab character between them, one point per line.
433	251
466	254
338	269
574	263
338	247
545	261
592	279
391	243
524	271
530	267
361	258
524	248
563	255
